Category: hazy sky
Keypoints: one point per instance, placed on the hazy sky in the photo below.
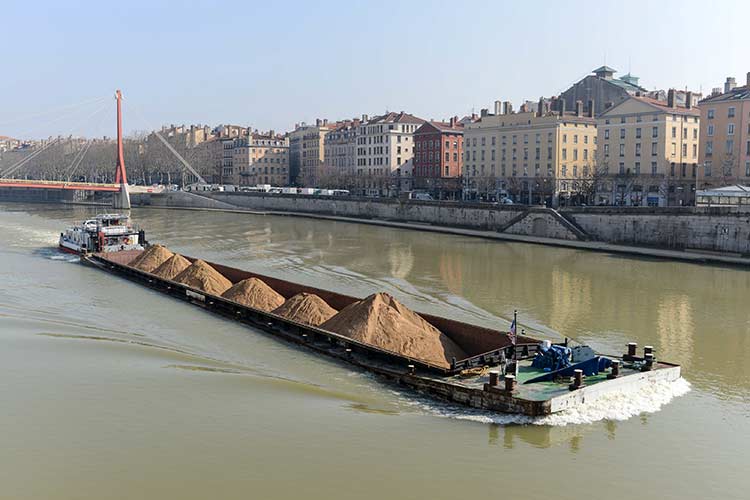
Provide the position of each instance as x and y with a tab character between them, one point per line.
272	64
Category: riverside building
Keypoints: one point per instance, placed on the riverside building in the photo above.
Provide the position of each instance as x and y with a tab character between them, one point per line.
261	158
532	157
648	152
384	143
725	137
438	158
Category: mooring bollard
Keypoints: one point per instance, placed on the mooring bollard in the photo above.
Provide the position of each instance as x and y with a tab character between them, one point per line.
412	369
632	347
649	362
577	380
615	369
494	378
647	350
348	353
510	383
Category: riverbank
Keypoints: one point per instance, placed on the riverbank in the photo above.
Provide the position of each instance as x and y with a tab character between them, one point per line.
596	246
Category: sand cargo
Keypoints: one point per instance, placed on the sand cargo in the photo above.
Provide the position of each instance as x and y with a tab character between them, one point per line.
477	367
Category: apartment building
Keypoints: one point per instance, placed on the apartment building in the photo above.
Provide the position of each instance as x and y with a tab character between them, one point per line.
261	158
533	157
8	143
438	158
340	157
384	143
307	151
648	152
725	137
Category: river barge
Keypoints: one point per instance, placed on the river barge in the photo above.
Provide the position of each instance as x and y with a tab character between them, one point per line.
496	375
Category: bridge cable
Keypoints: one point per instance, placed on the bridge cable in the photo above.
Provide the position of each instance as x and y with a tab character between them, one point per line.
170	148
56	110
33	155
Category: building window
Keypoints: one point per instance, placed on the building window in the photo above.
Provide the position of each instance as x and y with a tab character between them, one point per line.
710	130
674	132
709	148
622	133
674	149
695	151
606	150
638	133
606	134
747	169
653	168
711	114
707	168
622	150
730	129
638	149
654	131
730	146
637	168
731	112
654	148
622	168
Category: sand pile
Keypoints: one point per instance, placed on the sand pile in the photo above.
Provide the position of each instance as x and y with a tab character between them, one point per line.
172	267
151	258
204	277
306	308
253	292
382	321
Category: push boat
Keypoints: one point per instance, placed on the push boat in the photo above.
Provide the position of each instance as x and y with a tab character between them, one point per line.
502	372
104	233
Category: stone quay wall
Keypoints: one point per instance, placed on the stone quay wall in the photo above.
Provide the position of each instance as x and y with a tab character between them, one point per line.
686	228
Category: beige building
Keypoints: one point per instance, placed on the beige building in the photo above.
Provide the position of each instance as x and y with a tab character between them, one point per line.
543	157
340	157
384	143
725	137
8	143
307	151
261	158
648	152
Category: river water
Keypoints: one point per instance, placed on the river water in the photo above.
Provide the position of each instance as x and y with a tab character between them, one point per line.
110	390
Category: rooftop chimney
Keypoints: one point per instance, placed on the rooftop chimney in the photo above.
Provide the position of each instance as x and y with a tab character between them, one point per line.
591	108
579	108
453	118
748	79
730	84
671	100
561	106
524	108
272	133
364	118
540	107
609	104
484	112
318	122
497	107
688	100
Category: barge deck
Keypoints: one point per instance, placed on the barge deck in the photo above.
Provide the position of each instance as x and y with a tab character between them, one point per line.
471	381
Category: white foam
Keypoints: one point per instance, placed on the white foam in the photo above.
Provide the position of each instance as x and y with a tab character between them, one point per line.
619	405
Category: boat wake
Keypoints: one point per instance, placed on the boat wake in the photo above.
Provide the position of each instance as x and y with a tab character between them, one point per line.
619	405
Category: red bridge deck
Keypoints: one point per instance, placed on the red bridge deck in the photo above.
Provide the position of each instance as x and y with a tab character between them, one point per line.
76	186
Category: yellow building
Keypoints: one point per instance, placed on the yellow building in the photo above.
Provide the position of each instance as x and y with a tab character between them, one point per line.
648	152
543	157
261	159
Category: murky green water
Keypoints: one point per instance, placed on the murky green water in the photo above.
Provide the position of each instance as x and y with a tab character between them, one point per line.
110	390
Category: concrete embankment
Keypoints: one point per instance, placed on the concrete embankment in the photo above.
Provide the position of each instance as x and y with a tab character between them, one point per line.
682	234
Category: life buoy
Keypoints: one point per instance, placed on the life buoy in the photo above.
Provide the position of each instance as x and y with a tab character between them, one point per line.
127	241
